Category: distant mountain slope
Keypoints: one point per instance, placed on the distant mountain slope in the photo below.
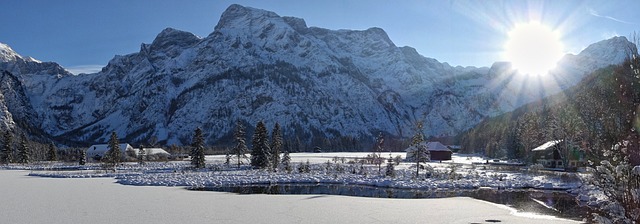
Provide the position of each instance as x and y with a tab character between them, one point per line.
257	65
596	113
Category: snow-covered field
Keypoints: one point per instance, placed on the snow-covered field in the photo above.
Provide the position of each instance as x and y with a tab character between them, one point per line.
329	156
331	168
27	199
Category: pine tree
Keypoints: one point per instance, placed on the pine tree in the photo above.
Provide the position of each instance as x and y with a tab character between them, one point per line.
286	161
114	155
304	167
421	154
528	133
24	153
52	153
260	152
7	149
276	146
378	151
240	150
141	154
391	168
83	158
227	157
197	152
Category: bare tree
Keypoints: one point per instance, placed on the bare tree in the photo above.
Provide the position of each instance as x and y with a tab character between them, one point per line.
567	126
618	176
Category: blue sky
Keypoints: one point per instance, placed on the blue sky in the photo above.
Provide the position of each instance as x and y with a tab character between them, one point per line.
88	33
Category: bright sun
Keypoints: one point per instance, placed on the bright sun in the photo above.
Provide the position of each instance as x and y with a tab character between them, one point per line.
533	48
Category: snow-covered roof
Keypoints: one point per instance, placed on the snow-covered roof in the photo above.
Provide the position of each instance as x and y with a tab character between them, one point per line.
153	151
431	146
436	146
101	148
546	145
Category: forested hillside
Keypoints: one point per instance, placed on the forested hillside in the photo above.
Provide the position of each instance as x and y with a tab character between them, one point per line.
595	114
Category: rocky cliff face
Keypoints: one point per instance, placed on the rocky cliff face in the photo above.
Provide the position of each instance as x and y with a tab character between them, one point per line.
257	65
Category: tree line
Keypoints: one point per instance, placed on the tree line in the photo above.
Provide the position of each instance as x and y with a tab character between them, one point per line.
22	150
265	152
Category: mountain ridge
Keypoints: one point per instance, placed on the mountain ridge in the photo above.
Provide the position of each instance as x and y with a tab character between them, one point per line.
256	65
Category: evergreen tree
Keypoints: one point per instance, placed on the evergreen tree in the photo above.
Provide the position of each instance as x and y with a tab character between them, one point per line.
52	153
379	147
286	161
197	152
421	154
83	158
391	168
24	154
276	146
141	154
240	150
304	167
260	152
227	157
528	133
113	156
7	149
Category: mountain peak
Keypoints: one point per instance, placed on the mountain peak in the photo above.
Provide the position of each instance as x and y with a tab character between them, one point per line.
171	37
7	54
241	15
614	50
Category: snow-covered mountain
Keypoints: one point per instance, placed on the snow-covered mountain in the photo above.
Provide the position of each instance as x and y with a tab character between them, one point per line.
15	105
257	65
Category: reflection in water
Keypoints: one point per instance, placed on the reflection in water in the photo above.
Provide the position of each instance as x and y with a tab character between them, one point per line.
555	203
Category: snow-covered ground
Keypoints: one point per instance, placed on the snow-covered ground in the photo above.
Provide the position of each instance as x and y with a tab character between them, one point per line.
329	156
331	168
28	199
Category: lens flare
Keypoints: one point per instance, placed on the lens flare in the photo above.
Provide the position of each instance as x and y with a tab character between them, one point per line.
533	48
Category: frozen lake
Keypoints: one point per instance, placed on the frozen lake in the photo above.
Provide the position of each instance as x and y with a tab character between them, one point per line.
554	203
28	199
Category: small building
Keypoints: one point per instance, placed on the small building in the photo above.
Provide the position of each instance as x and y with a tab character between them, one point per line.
96	152
550	155
437	151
